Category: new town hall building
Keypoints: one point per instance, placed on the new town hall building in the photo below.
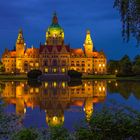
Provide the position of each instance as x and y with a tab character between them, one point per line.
54	56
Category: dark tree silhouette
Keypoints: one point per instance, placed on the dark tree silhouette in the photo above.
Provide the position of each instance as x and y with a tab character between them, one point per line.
130	17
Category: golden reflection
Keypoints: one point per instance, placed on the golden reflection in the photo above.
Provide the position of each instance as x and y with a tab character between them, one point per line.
88	108
55	101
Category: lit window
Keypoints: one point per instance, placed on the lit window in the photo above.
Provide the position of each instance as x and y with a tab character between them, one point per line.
37	90
54	70
54	84
37	64
31	90
46	84
31	64
46	70
63	84
63	70
99	65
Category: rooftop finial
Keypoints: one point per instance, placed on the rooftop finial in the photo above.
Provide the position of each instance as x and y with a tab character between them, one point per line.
20	30
55	19
88	31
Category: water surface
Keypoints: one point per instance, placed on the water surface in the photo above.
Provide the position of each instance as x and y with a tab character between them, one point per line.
65	103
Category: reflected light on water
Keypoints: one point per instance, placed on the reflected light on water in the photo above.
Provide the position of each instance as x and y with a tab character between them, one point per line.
54	98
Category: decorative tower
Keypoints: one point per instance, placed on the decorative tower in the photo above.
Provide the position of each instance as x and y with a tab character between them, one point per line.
88	108
88	45
55	34
20	44
20	48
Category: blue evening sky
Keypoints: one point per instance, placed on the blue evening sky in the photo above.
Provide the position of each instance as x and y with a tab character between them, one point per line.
75	16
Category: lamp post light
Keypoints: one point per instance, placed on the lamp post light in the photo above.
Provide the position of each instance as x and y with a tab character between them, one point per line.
116	71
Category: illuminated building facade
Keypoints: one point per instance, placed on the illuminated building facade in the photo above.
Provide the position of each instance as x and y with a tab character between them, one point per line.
54	97
54	57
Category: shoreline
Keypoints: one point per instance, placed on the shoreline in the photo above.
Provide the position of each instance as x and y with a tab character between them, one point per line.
86	77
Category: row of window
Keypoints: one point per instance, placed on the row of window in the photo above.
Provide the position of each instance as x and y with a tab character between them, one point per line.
82	65
99	60
9	60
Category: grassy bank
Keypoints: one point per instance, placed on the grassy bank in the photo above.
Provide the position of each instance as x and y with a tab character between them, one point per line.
12	77
99	77
110	77
24	77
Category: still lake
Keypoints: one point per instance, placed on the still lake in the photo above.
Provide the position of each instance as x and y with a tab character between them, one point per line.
52	103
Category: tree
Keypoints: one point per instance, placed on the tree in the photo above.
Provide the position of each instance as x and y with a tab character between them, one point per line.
74	74
113	67
125	66
34	74
136	65
130	17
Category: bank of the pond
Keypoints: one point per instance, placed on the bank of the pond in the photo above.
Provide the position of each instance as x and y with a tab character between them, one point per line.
111	77
98	76
13	77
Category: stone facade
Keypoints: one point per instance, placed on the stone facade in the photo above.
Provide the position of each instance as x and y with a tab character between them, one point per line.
54	57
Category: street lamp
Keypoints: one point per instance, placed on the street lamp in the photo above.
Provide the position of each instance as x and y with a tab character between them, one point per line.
116	71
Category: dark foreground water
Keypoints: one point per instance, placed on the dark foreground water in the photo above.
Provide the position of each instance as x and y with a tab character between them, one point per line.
65	103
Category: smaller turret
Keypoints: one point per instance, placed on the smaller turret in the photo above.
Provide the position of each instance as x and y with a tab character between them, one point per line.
20	44
88	108
88	45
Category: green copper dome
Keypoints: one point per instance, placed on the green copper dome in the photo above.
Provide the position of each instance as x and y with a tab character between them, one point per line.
55	29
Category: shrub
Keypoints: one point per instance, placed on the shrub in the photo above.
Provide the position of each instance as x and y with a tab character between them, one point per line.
33	74
59	133
116	122
74	74
83	134
26	134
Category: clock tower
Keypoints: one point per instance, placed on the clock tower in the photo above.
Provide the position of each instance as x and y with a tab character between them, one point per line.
88	45
20	44
20	49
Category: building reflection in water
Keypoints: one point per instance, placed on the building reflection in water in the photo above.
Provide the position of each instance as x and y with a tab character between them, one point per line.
55	97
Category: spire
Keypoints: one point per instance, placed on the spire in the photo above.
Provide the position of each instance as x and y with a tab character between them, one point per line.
88	109
55	19
88	31
20	31
88	45
20	39
88	39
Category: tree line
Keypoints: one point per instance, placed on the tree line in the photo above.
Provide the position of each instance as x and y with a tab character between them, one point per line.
125	66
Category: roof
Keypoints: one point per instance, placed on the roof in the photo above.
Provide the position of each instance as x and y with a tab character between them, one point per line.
8	53
77	51
55	25
32	50
50	48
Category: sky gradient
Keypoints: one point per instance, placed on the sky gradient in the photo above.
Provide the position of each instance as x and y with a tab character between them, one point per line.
75	16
